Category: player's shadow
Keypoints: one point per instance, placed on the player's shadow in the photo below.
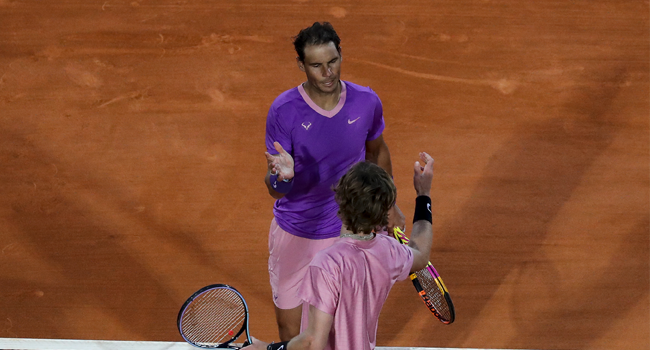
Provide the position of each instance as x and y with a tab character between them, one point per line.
505	220
89	266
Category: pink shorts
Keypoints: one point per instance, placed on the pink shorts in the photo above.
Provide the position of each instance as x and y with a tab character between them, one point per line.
289	257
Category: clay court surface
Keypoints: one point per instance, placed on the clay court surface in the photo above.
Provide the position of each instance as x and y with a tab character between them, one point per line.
132	161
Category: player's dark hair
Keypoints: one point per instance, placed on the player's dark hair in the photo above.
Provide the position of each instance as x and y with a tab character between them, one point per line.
317	34
364	195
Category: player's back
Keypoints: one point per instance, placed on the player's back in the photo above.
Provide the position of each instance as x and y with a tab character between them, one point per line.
359	275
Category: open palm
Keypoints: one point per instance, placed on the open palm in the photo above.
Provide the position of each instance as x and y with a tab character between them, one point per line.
280	164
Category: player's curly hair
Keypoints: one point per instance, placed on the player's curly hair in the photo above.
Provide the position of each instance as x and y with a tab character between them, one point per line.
364	195
317	34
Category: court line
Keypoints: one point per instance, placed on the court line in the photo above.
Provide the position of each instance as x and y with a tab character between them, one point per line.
505	86
76	344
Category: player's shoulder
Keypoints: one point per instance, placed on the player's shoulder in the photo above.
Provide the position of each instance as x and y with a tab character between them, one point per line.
332	254
286	98
330	259
391	243
353	88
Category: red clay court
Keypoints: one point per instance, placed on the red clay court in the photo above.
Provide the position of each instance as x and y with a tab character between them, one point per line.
132	161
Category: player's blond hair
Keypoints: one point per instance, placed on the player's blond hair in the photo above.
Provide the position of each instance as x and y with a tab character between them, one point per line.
364	195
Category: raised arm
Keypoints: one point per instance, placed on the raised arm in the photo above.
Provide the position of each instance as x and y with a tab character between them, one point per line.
422	234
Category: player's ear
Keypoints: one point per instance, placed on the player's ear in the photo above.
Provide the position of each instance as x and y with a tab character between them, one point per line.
301	64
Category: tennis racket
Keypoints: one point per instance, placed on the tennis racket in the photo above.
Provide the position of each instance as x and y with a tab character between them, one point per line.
214	317
429	285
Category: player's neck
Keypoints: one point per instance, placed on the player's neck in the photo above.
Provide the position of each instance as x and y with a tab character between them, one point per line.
358	236
325	100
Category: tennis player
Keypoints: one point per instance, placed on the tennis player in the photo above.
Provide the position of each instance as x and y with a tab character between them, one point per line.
314	133
347	283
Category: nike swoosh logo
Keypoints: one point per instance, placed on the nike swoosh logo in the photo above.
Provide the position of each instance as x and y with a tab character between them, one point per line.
429	207
352	121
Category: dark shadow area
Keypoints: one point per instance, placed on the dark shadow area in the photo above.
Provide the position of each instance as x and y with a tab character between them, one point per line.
522	189
597	305
95	270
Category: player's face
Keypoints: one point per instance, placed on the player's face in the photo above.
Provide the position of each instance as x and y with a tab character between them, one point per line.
322	65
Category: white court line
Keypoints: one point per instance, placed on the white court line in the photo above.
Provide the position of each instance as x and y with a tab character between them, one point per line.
73	344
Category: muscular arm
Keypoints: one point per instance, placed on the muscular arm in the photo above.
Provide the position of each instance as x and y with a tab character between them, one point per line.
422	233
378	153
420	243
317	332
315	337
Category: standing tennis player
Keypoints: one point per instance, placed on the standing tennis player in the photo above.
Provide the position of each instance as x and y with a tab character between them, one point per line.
314	133
347	283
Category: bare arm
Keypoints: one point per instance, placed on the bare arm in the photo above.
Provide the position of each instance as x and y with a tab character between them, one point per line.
378	153
422	233
313	338
317	332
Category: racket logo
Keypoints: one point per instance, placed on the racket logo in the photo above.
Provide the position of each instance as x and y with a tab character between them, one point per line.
430	287
427	300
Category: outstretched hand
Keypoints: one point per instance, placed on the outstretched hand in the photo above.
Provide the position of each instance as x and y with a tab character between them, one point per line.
280	164
423	175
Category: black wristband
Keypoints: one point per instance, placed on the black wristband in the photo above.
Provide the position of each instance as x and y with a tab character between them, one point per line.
422	209
278	346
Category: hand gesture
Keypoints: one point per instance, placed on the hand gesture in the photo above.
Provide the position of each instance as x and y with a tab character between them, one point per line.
280	164
423	175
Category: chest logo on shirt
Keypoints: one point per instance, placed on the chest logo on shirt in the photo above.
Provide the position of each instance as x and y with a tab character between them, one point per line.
306	125
350	121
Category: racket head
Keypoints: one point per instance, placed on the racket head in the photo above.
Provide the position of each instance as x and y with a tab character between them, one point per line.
434	294
430	287
214	317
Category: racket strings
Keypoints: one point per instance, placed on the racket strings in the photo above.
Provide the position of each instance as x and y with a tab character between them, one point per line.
437	298
214	317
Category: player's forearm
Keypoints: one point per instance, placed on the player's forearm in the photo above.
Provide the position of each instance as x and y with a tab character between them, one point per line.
383	159
421	240
304	342
422	233
377	152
